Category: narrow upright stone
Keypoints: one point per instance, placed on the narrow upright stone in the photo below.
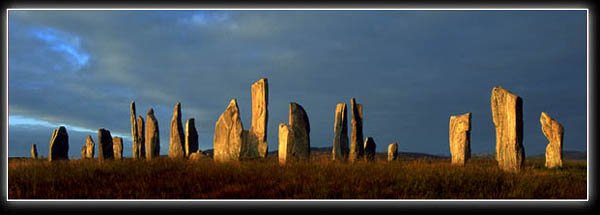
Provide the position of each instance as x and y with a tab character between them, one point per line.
356	140
117	148
284	131
59	145
176	141
34	153
459	138
340	148
228	136
105	145
191	137
392	151
141	147
260	115
297	141
152	137
507	114
369	149
88	148
554	132
135	137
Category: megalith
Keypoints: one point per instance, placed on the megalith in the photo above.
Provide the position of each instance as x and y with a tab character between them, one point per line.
356	139
369	147
507	115
117	148
340	148
152	137
59	145
459	138
228	136
295	146
191	137
105	145
176	141
554	132
392	152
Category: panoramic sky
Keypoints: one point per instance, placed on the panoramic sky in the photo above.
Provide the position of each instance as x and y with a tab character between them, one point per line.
411	70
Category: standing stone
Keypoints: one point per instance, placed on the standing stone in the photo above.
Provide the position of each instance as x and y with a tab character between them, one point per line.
176	142
260	115
152	138
392	151
554	132
197	155
117	148
87	150
135	137
105	145
141	147
59	145
460	134
191	137
356	140
297	143
507	114
340	133
369	149
34	154
228	137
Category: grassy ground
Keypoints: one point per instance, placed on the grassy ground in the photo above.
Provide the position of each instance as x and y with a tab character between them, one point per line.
320	179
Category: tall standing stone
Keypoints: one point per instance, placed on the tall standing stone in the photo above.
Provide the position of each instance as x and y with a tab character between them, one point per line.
369	149
554	132
296	143
152	138
507	114
34	153
356	140
88	148
105	145
176	141
141	147
135	137
191	137
59	145
392	151
260	115
459	138
340	148
117	148
228	137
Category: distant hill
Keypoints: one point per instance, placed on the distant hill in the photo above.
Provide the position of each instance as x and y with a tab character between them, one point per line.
567	155
327	150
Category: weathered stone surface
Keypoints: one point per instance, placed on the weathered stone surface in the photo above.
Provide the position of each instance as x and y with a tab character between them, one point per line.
117	148
141	147
257	137
135	136
356	139
459	138
392	151
369	149
340	148
152	137
297	142
198	155
191	137
105	145
34	153
507	114
228	136
554	132
88	148
59	145
176	141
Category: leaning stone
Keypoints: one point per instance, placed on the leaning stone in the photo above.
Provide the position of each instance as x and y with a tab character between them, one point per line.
507	114
176	141
228	136
105	145
191	137
554	132
59	145
34	153
340	148
117	148
152	138
369	149
460	133
392	151
260	115
356	139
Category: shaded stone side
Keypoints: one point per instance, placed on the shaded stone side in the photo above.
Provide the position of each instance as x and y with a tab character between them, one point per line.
141	148
340	147
369	147
59	145
152	138
34	153
105	145
459	138
191	137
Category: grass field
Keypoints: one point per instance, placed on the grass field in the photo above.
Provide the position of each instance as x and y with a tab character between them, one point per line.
165	178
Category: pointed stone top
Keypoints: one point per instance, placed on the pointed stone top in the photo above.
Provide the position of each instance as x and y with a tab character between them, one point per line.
62	129
546	119
150	112
352	101
191	120
132	103
232	102
500	89
261	80
177	107
102	129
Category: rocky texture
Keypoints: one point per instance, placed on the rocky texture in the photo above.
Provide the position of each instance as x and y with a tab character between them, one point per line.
392	151
340	148
257	135
117	148
459	138
228	136
356	140
191	137
88	148
554	132
176	141
141	147
295	146
152	137
34	153
197	155
105	145
507	115
59	145
369	149
136	141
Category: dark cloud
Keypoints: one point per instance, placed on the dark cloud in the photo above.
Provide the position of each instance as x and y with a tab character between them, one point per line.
410	70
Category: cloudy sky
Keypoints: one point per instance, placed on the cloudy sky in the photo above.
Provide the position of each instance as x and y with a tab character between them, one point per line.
411	70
